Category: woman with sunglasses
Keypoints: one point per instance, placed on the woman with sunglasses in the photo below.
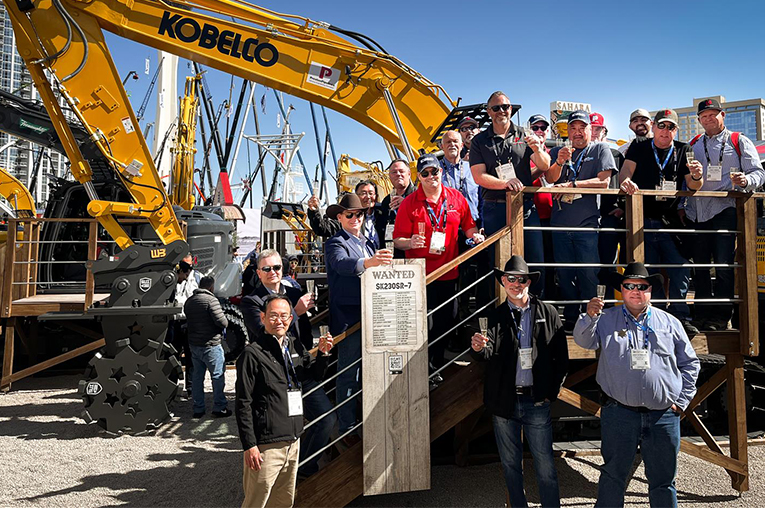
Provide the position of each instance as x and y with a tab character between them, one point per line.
647	372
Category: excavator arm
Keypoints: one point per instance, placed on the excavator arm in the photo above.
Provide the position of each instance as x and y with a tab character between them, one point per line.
14	191
184	148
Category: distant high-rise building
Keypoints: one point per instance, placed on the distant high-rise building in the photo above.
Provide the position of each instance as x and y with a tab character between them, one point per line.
747	117
23	159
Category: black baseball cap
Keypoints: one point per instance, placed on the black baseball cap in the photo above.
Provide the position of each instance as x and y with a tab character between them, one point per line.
467	120
427	161
709	104
538	118
579	115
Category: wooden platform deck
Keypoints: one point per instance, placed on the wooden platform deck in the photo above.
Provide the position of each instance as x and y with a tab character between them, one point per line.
47	303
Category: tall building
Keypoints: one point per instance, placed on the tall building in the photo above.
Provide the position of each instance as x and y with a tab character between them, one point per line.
747	117
23	159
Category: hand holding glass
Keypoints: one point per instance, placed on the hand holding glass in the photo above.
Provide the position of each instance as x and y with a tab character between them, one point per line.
483	325
324	331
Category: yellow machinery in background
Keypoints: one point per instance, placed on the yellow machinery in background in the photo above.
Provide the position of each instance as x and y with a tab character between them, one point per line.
347	177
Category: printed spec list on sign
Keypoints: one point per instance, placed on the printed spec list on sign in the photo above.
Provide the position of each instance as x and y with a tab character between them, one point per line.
393	318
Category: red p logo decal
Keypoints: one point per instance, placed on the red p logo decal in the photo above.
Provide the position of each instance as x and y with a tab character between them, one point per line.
325	72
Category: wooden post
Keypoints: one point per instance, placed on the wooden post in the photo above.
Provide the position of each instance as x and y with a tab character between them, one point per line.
515	220
10	258
737	417
502	251
35	257
89	281
746	275
635	233
9	331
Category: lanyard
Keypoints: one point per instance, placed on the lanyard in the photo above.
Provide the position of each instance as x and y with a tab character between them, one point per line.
644	327
288	365
462	175
519	323
662	166
437	222
576	167
722	150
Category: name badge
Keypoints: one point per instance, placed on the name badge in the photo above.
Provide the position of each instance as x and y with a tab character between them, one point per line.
665	186
437	243
526	361
714	173
569	199
639	359
389	236
506	171
295	402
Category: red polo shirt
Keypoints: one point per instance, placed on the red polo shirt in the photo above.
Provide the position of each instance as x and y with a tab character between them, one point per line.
413	210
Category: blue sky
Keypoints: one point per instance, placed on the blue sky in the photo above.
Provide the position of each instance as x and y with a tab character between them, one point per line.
616	56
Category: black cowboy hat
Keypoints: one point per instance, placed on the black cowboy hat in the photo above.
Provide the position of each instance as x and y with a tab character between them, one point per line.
516	266
634	271
349	202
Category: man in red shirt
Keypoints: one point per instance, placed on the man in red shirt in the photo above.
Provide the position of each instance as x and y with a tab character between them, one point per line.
426	227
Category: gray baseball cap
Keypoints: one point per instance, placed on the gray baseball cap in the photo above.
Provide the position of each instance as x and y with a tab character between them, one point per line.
640	112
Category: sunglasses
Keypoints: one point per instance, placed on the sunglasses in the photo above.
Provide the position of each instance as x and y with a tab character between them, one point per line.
465	129
666	125
519	279
351	215
539	128
267	269
498	107
639	286
426	173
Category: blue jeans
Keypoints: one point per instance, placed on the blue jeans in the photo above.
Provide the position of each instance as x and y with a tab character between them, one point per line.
349	382
316	436
208	358
576	282
721	248
658	434
661	249
537	427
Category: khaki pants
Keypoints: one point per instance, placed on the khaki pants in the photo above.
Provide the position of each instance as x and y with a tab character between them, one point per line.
274	485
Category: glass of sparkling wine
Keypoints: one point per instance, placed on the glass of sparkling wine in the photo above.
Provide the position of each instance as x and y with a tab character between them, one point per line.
316	187
601	291
733	170
421	229
323	331
483	324
689	155
310	286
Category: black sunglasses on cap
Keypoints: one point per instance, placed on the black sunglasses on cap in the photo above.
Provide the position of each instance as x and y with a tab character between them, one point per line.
275	267
639	286
426	173
498	107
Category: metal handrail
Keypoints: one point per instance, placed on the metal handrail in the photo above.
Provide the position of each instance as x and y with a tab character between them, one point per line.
484	307
329	445
430	312
325	381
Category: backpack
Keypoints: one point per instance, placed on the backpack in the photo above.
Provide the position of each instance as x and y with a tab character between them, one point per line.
734	136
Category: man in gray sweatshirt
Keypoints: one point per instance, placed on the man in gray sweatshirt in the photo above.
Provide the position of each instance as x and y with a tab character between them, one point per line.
206	324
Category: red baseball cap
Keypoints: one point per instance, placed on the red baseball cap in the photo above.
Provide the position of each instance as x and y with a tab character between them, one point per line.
597	119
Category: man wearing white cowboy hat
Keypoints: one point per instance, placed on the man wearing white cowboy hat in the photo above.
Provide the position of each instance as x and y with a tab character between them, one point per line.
527	354
647	372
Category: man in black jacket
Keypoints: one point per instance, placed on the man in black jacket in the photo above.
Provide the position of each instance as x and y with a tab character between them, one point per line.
269	406
316	403
205	324
527	355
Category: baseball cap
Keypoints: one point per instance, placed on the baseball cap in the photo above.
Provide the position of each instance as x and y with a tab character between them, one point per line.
709	104
597	119
666	116
467	120
640	112
537	118
579	115
427	161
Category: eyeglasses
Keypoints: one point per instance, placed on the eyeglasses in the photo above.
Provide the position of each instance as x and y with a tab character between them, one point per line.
426	173
275	267
366	193
666	125
519	279
465	129
498	107
351	215
539	128
274	318
642	287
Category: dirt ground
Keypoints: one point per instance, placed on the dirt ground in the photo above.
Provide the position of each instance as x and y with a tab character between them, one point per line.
50	458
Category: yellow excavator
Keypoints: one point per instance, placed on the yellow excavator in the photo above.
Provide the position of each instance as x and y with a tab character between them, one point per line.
62	44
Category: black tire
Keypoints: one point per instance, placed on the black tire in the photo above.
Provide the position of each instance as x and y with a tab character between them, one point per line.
235	338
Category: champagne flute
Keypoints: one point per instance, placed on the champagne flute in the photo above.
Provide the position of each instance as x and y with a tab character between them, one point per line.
733	170
323	331
689	155
421	230
601	291
310	286
483	324
316	187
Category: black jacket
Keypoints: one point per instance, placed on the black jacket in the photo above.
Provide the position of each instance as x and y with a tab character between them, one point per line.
261	406
388	217
501	352
205	318
251	307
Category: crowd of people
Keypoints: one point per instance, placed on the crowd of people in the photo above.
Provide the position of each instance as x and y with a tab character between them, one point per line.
647	370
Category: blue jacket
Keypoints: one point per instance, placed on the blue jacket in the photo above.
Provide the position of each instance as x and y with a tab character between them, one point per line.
342	256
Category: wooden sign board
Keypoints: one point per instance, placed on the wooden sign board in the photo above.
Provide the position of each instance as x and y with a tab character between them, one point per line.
396	406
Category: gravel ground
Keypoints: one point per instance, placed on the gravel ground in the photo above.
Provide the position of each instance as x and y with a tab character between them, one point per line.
50	458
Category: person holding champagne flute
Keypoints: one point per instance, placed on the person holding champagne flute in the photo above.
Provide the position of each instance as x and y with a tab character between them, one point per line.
526	351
